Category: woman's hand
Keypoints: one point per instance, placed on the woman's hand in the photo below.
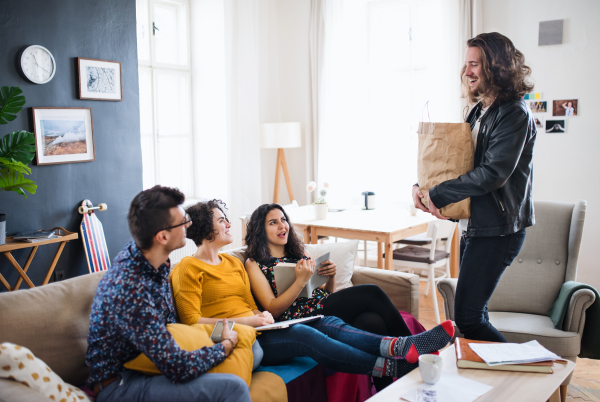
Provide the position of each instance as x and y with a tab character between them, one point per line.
328	268
417	194
258	320
304	270
433	209
229	337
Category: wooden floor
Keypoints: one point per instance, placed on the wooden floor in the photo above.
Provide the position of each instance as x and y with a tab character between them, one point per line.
585	384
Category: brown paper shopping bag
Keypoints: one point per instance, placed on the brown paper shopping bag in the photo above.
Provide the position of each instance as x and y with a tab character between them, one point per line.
445	152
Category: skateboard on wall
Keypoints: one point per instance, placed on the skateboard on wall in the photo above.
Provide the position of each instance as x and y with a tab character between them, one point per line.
92	235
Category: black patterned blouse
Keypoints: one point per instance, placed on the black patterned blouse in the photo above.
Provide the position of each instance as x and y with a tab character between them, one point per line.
302	306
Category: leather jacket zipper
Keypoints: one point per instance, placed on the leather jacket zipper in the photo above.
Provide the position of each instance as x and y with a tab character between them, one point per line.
499	201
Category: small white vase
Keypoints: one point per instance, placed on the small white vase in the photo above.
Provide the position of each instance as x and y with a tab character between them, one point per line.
321	211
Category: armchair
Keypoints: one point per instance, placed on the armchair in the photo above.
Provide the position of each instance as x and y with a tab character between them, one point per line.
527	290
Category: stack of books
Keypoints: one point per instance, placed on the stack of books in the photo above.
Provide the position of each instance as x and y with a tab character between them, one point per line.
467	358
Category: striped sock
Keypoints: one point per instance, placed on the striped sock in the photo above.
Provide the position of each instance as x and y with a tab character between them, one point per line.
411	347
392	367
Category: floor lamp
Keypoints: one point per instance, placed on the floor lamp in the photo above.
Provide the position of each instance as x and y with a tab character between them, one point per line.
280	136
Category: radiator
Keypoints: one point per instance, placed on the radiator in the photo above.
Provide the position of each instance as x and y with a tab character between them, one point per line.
185	251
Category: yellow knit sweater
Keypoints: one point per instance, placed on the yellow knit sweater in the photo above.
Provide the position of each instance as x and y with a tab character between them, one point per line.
212	291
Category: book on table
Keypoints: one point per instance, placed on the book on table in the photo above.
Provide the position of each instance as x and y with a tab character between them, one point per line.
467	358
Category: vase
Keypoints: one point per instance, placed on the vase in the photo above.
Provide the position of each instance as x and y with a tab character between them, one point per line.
321	211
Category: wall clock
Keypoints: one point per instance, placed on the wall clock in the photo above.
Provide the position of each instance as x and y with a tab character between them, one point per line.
38	64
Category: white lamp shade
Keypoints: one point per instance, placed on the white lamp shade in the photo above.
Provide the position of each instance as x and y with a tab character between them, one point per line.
280	135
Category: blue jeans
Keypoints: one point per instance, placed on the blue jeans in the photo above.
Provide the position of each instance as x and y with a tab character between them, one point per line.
329	341
482	263
137	387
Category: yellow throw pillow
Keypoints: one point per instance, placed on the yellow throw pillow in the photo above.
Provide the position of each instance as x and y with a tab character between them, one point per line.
194	337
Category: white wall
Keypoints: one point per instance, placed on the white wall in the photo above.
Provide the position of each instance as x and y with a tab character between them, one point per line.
285	96
566	166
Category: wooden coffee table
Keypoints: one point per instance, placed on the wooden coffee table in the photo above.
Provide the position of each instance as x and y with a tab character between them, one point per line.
508	386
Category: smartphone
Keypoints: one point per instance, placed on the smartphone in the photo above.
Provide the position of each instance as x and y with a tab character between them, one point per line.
216	334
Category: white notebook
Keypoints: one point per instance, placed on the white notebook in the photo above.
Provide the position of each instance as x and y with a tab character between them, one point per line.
288	323
285	276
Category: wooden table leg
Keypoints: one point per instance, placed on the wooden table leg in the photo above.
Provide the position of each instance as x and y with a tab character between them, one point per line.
313	235
5	283
19	269
454	254
379	255
26	267
555	396
56	257
389	256
306	235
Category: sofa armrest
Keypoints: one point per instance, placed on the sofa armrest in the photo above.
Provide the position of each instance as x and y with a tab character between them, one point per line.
402	288
575	318
447	288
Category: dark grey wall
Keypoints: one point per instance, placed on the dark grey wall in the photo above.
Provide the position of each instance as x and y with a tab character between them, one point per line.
101	29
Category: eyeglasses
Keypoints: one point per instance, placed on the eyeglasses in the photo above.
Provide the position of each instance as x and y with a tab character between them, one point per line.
187	221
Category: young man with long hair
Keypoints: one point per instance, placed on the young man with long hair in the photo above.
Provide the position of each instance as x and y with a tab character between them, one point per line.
495	78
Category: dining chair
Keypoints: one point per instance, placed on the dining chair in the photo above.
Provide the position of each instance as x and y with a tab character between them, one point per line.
434	261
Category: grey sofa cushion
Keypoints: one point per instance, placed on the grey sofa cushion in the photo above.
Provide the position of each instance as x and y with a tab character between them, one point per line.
538	272
519	328
53	322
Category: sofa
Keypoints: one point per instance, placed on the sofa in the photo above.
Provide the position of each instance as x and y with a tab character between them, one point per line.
53	321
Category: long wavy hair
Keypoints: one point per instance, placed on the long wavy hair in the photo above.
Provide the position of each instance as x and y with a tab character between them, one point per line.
256	236
503	67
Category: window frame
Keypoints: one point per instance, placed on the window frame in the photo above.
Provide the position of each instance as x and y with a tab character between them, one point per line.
154	68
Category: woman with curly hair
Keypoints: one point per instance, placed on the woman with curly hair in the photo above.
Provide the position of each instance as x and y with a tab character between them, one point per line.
210	286
495	78
271	239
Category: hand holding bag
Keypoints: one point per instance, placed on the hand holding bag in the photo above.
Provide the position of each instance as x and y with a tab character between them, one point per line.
445	152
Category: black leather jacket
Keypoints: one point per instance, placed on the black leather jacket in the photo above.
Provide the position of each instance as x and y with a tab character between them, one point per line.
500	185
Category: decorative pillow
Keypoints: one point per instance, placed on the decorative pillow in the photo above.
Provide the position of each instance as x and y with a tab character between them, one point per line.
194	337
19	364
343	254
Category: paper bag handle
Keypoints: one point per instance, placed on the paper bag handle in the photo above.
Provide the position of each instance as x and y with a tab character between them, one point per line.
426	106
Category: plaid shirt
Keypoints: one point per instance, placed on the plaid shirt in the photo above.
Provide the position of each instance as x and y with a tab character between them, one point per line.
132	306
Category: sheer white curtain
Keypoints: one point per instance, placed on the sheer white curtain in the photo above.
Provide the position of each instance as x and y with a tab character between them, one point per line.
227	51
382	60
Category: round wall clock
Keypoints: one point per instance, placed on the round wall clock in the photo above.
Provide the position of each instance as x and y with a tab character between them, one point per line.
38	64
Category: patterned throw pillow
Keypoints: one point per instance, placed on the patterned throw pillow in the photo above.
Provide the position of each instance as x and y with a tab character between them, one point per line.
19	364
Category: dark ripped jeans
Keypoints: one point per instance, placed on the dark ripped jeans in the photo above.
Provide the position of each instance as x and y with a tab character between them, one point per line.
482	263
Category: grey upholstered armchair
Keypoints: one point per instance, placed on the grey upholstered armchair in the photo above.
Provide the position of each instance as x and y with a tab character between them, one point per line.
528	288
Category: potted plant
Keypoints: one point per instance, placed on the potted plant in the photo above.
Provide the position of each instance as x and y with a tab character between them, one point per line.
17	149
321	206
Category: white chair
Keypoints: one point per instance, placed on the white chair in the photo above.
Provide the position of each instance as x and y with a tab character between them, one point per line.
435	262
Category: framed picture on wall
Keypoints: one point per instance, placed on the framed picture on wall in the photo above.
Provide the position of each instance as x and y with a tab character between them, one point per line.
63	135
100	79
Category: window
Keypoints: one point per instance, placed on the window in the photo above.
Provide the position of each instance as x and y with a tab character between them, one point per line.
165	93
402	53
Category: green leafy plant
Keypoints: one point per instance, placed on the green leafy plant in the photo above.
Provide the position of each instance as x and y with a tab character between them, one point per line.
11	103
17	149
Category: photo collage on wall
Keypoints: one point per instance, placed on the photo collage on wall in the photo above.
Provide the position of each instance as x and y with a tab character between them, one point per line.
551	116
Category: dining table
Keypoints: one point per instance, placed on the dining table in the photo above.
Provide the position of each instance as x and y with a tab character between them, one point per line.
385	225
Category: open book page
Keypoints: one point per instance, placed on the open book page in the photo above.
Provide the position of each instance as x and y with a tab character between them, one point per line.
512	353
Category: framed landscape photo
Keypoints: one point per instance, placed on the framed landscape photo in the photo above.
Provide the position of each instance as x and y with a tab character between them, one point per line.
63	135
100	79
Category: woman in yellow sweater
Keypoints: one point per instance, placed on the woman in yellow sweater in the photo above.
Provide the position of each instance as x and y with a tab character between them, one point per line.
210	286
